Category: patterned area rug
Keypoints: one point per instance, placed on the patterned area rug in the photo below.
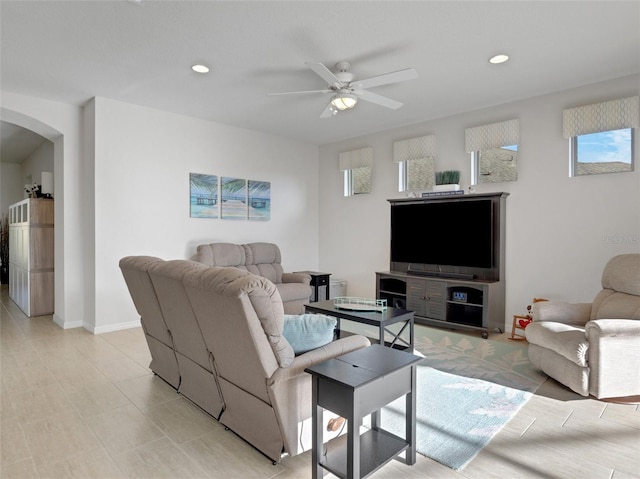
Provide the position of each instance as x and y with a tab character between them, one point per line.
468	388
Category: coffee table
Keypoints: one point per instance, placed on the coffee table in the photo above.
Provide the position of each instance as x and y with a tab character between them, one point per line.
380	319
355	385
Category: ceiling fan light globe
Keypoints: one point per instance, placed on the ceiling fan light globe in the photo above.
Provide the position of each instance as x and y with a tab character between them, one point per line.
344	101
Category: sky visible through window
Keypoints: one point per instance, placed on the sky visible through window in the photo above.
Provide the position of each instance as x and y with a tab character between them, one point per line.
605	147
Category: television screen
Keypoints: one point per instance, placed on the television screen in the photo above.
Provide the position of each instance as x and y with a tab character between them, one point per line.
443	233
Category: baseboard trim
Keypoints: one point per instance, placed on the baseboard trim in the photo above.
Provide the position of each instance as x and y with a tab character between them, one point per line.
112	327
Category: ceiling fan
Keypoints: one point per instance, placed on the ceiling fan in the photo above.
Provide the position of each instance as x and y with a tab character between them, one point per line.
347	90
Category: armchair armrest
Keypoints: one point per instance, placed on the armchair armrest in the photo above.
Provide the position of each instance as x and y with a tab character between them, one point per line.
614	357
560	312
618	328
303	278
315	356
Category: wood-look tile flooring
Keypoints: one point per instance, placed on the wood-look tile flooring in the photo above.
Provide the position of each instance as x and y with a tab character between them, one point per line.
77	405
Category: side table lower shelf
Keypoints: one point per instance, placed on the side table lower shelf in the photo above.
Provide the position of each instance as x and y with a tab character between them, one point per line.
377	447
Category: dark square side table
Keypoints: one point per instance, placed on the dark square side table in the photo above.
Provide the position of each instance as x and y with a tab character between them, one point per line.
353	386
318	279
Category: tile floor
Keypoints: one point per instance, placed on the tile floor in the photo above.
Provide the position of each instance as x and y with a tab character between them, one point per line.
77	405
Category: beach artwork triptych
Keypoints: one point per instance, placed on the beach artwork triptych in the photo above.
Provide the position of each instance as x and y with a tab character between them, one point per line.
212	196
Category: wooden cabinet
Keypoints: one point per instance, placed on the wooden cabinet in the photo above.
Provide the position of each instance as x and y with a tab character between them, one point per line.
31	256
452	303
426	298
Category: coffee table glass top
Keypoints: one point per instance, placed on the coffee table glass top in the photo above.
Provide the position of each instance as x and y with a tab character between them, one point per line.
389	315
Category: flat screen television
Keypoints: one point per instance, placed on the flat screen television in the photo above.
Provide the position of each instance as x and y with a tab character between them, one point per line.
445	235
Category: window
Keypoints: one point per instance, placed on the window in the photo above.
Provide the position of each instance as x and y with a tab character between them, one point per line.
601	136
415	158
356	171
602	152
494	165
494	151
357	181
416	175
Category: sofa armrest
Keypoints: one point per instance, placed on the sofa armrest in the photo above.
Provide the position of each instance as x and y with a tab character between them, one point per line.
303	278
614	357
560	312
315	356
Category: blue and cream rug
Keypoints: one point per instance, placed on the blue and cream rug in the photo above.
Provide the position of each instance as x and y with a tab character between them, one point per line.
468	388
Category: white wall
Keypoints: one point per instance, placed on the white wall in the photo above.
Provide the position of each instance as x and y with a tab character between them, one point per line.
40	160
14	176
143	158
11	185
560	230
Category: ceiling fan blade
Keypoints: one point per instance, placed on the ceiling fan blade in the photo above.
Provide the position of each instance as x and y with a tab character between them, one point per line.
300	92
328	112
386	78
324	73
378	99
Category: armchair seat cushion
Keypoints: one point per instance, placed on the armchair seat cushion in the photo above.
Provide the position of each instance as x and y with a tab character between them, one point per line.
308	331
569	341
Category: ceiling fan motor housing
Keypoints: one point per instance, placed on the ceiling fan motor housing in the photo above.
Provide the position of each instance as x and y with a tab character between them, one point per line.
343	74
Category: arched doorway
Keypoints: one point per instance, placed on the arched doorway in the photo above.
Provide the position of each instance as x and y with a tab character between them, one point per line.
57	138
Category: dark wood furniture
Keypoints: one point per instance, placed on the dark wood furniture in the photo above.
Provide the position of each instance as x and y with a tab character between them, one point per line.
462	297
473	305
353	386
318	279
380	319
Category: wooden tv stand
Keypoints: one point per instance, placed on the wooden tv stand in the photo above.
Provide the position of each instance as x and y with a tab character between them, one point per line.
473	305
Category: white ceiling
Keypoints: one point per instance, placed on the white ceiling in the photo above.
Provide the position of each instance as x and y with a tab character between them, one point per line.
141	52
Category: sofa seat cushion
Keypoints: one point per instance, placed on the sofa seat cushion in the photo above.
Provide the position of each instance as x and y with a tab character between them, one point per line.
308	331
569	341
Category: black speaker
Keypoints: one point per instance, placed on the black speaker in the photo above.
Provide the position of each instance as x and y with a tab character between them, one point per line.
399	303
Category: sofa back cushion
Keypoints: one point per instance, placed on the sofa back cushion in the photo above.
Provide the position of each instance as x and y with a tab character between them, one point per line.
264	260
221	254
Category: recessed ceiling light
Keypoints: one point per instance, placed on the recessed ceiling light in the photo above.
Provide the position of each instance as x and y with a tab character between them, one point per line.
200	68
498	59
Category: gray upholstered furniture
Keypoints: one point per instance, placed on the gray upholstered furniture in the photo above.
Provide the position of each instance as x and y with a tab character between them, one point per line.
593	348
179	354
163	356
224	327
262	259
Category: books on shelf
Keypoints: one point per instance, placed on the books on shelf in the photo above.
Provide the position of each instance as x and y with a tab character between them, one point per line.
427	194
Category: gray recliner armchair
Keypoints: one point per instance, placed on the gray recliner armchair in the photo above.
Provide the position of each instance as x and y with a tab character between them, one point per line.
593	348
